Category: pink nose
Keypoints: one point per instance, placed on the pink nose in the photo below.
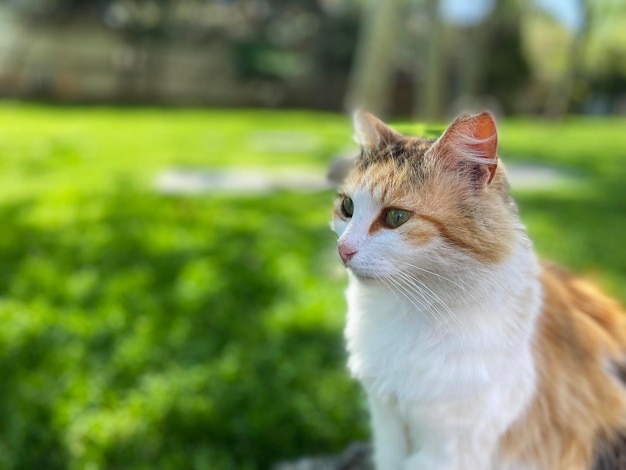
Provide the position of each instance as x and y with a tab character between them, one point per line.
346	252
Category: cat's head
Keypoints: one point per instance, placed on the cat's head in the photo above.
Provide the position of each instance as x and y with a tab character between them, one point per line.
409	206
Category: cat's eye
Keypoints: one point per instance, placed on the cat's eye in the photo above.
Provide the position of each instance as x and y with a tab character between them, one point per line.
396	217
347	207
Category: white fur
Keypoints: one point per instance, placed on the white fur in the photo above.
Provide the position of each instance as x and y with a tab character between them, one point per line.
446	371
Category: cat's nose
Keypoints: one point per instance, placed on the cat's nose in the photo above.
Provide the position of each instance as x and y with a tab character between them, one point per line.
346	252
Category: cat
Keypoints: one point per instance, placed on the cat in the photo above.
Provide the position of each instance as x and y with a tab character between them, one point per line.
473	354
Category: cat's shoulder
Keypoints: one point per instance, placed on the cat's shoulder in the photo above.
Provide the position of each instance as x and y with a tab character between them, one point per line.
580	355
576	310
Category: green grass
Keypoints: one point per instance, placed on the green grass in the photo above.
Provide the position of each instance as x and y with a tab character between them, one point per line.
579	227
58	149
141	330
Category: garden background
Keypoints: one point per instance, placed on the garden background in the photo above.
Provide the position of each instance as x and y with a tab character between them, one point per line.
145	327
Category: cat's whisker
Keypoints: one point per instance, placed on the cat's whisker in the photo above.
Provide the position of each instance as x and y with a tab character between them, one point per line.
420	268
431	309
407	267
426	292
421	304
411	295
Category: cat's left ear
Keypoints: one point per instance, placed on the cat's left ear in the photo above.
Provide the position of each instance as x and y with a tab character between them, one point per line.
339	169
371	133
470	143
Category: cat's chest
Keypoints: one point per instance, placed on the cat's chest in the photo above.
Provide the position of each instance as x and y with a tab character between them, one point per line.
397	353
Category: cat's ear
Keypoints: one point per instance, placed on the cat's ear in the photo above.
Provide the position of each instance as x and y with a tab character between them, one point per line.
339	169
371	133
470	143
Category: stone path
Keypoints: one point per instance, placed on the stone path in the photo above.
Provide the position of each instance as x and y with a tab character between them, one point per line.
238	180
523	177
533	176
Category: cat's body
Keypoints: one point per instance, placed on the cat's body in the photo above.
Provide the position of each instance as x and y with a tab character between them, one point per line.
473	355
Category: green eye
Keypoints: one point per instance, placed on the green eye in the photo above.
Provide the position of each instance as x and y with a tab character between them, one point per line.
396	217
347	207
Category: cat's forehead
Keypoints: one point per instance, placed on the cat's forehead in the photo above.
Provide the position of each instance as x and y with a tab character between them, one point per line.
408	150
391	172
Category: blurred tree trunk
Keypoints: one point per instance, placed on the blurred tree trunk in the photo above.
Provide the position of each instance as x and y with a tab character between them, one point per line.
472	63
371	78
429	96
502	73
559	99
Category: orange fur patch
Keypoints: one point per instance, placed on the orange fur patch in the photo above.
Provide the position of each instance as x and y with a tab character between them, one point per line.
580	402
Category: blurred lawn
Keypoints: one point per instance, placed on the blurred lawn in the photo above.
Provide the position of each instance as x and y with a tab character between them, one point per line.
142	330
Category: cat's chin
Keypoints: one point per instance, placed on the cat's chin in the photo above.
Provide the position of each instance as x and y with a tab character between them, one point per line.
365	277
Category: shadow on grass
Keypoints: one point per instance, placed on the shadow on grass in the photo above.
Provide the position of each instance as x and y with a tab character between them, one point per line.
140	330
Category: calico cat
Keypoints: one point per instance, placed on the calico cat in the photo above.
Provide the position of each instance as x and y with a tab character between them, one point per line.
473	355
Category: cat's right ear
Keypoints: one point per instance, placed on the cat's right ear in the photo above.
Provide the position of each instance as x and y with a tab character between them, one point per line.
370	132
470	142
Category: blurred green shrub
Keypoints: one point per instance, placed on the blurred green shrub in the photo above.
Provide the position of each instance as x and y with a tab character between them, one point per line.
141	330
